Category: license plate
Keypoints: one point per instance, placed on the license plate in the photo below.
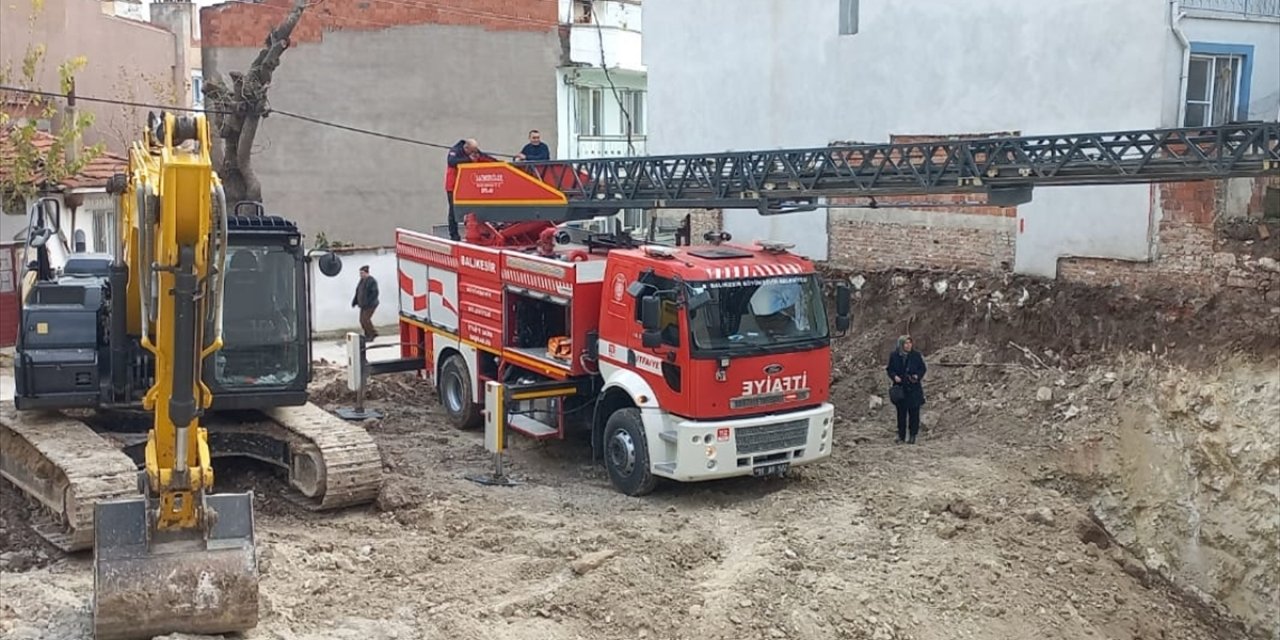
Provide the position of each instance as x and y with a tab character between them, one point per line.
775	469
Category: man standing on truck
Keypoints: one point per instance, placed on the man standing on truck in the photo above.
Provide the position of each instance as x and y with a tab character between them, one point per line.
466	150
367	299
536	150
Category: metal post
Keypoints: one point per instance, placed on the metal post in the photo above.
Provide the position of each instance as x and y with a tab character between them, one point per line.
495	434
357	378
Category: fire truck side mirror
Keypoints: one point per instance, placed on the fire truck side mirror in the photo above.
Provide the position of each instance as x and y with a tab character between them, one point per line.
651	321
843	304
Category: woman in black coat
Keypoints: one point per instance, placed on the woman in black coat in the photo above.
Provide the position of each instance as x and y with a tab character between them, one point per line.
906	370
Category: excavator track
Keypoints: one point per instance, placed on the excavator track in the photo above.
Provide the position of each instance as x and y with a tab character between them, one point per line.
331	463
67	467
339	466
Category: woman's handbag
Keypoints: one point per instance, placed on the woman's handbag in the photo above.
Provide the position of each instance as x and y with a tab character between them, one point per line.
897	394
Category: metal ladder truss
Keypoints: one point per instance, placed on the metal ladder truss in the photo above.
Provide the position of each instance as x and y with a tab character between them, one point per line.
1011	165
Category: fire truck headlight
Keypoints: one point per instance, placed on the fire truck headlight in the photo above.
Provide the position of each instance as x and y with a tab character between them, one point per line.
711	452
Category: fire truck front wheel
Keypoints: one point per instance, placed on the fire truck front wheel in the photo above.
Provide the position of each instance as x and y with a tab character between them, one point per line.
455	390
626	456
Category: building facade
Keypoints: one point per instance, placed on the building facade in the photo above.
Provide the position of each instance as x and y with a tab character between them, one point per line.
803	73
602	102
126	59
602	80
431	72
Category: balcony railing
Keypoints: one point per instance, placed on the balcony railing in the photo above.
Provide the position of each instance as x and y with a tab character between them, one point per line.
621	47
1241	8
613	146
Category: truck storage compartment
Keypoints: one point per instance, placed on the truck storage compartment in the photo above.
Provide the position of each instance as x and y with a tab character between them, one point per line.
538	327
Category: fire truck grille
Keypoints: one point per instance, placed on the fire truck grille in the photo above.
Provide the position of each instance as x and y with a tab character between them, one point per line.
770	437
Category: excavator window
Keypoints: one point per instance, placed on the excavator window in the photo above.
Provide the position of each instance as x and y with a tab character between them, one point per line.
259	318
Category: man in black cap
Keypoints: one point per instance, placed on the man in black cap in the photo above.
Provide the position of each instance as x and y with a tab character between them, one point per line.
367	299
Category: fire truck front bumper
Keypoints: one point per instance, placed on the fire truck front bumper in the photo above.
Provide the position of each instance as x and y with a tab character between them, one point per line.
688	450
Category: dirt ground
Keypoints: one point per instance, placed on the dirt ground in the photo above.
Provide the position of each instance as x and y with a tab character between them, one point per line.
970	534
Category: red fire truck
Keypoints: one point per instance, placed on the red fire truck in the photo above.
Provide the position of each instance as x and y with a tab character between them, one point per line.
709	361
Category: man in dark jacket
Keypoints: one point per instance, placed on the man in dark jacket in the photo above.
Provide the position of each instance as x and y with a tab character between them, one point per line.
536	150
906	369
462	152
367	299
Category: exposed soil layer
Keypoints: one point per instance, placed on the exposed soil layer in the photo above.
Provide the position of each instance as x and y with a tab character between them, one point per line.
1258	238
1062	324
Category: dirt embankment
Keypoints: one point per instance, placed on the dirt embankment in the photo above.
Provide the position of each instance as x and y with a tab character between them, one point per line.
1063	324
1186	473
1160	411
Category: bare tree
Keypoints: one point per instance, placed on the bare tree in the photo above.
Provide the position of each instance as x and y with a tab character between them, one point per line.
238	110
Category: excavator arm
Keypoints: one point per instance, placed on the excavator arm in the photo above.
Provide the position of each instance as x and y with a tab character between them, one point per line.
179	558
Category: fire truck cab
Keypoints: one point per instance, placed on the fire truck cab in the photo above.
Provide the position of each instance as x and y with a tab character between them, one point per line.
714	361
688	363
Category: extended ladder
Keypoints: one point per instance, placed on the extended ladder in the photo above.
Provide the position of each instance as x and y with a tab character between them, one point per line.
1004	167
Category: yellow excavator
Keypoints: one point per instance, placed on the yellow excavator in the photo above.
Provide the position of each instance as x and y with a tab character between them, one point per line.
178	558
190	340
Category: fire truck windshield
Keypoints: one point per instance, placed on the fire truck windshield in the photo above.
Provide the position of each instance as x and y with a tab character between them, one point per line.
757	315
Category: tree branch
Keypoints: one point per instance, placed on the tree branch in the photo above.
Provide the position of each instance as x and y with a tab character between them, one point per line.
243	107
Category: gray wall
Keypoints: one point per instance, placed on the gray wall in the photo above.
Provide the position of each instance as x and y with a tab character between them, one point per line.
427	82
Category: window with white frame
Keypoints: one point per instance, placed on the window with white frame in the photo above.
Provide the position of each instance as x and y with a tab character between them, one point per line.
633	100
197	89
590	107
1213	89
101	229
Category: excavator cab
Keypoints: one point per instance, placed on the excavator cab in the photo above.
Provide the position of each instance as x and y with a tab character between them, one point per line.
265	359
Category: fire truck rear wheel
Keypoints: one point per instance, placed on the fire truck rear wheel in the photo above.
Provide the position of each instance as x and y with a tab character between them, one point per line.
626	455
456	394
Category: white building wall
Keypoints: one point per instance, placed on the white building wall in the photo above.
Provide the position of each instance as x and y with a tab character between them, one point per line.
331	309
93	219
610	139
742	74
602	84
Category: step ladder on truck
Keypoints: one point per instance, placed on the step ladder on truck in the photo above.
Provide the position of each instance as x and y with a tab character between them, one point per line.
696	362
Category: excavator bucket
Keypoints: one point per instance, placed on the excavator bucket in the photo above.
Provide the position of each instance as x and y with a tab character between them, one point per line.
148	583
